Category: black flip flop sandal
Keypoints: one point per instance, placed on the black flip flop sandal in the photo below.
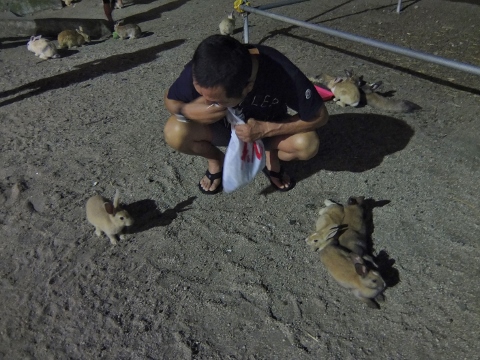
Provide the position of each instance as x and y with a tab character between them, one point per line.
279	175
212	178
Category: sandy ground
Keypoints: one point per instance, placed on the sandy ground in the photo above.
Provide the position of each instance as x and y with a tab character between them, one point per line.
229	276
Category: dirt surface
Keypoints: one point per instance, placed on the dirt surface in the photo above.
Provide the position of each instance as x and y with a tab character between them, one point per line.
230	276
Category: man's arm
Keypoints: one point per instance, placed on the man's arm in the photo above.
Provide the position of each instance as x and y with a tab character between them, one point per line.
254	130
196	110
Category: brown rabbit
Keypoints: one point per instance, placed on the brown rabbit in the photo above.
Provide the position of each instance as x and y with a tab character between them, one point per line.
354	236
327	226
72	38
107	217
377	101
350	271
345	89
344	222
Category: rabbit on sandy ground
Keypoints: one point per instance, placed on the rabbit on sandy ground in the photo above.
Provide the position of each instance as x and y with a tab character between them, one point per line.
107	217
68	2
128	31
351	272
345	89
43	48
377	101
227	25
344	222
72	38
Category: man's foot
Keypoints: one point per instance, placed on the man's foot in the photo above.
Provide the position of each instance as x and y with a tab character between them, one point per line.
211	183
280	180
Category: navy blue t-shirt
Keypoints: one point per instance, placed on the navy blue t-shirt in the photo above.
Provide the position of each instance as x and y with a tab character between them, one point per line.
279	83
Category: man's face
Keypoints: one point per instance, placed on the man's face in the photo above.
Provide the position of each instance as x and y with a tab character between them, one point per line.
217	95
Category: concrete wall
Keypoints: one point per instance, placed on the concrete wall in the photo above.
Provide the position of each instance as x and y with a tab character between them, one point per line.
25	7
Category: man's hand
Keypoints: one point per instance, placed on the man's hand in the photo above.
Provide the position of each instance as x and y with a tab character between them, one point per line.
251	131
201	110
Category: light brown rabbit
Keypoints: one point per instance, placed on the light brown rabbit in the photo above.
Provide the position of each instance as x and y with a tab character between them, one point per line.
72	38
107	217
345	89
378	101
354	235
350	271
327	226
128	31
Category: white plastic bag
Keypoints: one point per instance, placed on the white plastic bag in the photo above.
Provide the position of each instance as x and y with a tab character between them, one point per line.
243	160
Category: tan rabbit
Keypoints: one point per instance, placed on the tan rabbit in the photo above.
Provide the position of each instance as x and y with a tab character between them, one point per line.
43	48
107	217
346	223
345	89
350	271
128	31
72	38
354	235
227	25
378	101
327	226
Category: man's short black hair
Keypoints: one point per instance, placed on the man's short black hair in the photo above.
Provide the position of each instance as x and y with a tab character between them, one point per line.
221	60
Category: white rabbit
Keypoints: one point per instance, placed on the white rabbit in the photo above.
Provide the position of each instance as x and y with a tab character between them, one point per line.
227	25
42	48
107	217
127	31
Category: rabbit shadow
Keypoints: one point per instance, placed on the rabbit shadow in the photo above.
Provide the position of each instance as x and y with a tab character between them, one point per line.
88	71
382	259
65	53
147	215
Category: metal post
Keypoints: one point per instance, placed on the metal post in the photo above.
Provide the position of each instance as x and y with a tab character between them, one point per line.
399	6
381	45
281	3
245	28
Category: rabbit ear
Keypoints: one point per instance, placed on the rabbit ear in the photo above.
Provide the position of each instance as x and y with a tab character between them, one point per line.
32	38
337	80
376	85
361	269
38	37
109	207
116	199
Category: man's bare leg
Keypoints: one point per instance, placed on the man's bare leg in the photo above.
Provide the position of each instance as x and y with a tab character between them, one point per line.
195	139
301	146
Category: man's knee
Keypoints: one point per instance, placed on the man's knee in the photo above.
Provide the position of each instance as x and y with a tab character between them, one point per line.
307	145
175	133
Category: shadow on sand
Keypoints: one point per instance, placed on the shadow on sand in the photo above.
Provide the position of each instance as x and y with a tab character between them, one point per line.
88	71
147	215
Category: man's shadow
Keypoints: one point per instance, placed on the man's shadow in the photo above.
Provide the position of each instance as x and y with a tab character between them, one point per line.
155	13
88	71
355	143
147	215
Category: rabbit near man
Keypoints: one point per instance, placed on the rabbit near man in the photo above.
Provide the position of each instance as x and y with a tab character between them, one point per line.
340	238
108	217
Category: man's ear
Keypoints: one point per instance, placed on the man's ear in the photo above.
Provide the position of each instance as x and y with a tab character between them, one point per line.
248	88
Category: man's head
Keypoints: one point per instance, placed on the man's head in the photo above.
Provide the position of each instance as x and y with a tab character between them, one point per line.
222	64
